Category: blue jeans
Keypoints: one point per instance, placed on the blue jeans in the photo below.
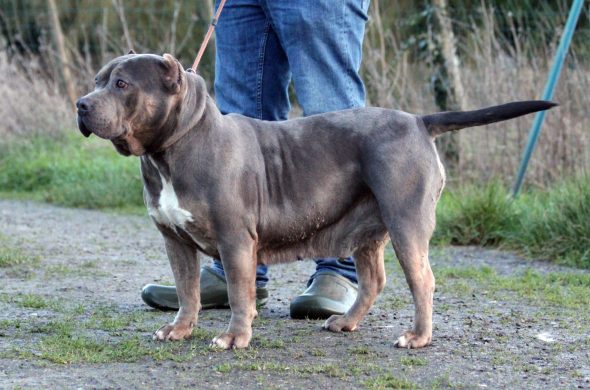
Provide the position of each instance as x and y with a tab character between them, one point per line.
263	45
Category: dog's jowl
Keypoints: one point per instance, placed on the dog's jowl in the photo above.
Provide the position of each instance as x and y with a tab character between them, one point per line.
248	191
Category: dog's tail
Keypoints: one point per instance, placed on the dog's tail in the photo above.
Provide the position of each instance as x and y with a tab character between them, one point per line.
440	123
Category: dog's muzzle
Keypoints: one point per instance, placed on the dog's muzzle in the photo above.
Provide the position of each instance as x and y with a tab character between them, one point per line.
84	108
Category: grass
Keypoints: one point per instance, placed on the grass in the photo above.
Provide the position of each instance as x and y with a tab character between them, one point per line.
412	361
10	257
469	216
551	224
72	337
557	289
557	225
77	172
389	381
72	171
31	301
72	348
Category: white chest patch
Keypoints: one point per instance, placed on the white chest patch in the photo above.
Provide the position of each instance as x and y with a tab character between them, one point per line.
167	211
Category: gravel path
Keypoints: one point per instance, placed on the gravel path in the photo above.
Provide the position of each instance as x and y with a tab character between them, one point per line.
88	268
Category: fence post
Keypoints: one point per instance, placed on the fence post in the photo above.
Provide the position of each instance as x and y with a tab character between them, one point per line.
560	56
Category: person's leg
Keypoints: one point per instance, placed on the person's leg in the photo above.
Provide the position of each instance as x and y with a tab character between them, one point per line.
323	42
251	74
251	69
251	78
261	272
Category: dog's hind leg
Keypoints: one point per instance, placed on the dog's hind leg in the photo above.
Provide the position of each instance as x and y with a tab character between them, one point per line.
410	220
407	183
370	271
411	247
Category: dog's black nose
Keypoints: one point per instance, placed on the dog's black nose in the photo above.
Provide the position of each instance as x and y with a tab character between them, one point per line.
83	106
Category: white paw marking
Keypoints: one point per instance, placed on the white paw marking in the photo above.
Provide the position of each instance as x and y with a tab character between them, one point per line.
402	342
219	343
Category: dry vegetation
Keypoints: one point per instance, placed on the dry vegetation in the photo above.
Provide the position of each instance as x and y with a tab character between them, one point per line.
30	104
492	70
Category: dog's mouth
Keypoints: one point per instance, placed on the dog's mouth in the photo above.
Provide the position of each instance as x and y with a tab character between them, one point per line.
83	128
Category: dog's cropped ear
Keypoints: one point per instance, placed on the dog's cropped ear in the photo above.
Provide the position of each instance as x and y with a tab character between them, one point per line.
131	52
173	75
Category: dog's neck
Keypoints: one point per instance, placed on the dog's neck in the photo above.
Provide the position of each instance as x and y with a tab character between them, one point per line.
194	108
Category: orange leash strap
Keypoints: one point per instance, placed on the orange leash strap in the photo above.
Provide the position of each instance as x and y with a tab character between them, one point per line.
208	36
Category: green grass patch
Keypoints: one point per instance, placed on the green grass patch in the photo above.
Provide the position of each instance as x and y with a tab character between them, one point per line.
223	368
72	171
360	350
260	342
68	349
85	269
558	289
317	352
472	216
389	381
551	224
31	301
412	361
557	224
10	257
73	339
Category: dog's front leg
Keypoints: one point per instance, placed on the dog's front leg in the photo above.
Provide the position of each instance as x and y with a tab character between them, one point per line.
239	264
185	263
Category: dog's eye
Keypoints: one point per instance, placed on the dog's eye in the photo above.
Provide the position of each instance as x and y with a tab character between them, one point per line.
121	84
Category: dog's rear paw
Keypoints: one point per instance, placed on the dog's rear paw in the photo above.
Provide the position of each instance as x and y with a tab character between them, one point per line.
411	340
340	323
172	332
228	340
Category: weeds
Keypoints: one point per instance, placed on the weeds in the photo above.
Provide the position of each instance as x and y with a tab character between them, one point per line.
557	289
412	361
548	224
558	225
31	105
10	257
470	216
389	381
71	173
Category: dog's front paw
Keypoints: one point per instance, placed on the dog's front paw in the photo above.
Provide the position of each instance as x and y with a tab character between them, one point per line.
228	340
338	323
412	340
173	332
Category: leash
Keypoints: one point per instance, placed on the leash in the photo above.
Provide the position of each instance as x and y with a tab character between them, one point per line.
207	36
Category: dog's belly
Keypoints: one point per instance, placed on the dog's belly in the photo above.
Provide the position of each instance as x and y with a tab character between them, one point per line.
361	224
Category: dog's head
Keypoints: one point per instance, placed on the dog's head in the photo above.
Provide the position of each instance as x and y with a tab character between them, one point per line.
134	103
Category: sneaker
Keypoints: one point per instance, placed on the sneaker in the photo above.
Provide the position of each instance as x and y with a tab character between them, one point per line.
213	293
329	293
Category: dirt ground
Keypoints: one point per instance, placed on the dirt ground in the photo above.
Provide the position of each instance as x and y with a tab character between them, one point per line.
72	317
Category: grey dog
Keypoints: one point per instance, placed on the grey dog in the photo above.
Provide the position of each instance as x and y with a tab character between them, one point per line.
251	192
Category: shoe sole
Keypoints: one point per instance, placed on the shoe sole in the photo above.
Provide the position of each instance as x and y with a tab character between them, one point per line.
314	308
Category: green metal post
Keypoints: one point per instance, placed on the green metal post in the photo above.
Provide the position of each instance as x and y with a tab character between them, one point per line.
560	56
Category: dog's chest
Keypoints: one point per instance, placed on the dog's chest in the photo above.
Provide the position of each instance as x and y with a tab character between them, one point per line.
162	200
